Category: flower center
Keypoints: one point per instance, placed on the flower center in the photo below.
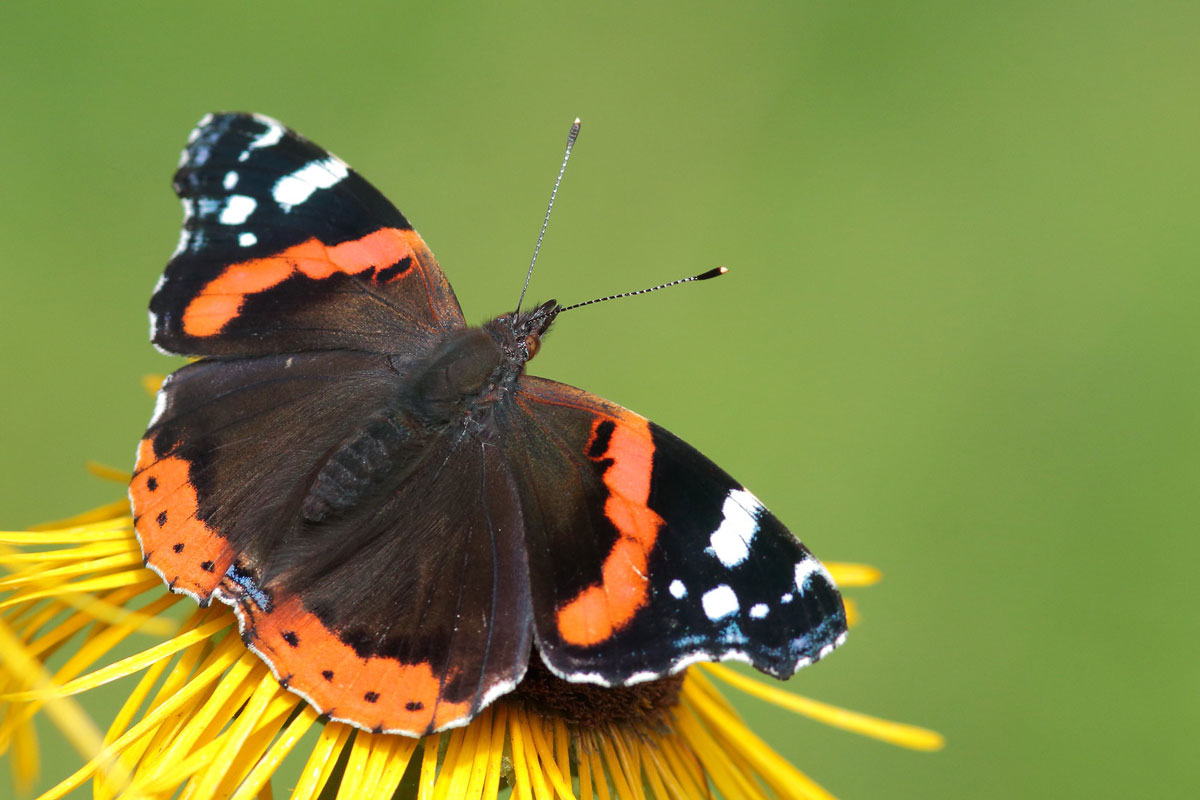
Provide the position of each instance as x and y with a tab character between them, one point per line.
589	706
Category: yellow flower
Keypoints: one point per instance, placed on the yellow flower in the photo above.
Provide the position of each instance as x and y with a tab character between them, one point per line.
207	719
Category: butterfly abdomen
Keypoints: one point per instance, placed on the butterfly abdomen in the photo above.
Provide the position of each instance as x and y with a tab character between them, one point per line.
359	465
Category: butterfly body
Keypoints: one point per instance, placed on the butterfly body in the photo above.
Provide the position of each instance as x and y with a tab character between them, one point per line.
448	392
400	515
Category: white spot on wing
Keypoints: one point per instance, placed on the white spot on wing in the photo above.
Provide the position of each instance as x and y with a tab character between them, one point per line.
806	569
594	678
160	405
198	155
759	610
683	663
499	690
247	239
230	180
787	598
719	602
731	540
179	248
237	209
292	190
677	589
641	677
272	135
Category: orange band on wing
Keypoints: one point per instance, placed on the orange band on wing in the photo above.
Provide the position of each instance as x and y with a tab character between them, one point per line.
376	693
188	554
602	609
221	298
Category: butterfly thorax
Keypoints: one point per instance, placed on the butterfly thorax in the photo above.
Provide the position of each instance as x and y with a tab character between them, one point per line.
475	367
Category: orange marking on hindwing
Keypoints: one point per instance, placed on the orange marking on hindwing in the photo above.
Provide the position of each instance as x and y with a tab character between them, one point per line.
376	693
602	609
189	555
222	298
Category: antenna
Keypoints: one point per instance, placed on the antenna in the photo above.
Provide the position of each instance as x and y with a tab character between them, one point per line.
703	276
554	193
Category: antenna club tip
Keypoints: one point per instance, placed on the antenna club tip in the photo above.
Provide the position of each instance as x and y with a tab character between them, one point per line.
712	273
574	132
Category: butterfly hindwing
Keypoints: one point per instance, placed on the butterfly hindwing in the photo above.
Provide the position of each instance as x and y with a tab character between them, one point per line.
284	248
645	556
378	568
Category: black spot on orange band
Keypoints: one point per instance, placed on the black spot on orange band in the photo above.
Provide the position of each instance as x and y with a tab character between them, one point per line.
600	439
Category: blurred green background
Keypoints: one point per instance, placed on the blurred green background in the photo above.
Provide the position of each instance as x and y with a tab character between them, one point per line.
958	340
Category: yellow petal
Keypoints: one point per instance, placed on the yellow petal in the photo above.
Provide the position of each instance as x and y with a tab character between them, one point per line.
110	515
482	754
545	754
130	665
149	723
456	764
898	733
152	382
322	761
496	752
849	576
250	716
396	765
143	578
429	762
350	785
260	775
523	783
107	473
73	532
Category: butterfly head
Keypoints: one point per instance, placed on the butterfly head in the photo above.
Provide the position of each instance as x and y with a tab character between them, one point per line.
520	333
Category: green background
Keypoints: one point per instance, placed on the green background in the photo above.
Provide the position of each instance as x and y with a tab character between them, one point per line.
958	339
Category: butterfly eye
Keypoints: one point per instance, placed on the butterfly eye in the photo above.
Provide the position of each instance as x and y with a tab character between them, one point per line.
532	345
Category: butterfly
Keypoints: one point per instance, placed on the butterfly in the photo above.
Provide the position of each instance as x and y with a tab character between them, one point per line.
400	516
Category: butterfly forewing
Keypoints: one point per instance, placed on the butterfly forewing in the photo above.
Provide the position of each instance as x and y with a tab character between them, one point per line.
284	248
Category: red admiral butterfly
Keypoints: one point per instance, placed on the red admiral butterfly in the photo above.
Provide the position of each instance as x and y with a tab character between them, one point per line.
396	511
